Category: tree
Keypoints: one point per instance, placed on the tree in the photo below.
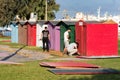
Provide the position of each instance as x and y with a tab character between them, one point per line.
23	8
5	11
52	7
10	8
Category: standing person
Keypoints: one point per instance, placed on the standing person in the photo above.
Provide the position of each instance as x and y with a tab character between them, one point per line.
45	39
66	38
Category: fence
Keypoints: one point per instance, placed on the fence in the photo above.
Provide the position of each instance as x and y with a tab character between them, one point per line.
6	33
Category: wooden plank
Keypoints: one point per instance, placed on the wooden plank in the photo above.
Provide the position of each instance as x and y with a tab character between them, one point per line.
68	64
10	63
97	57
84	71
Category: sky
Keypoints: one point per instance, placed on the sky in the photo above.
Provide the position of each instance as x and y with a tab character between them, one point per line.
112	7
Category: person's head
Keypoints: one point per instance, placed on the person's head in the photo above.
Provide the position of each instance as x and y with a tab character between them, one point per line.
77	44
69	30
45	28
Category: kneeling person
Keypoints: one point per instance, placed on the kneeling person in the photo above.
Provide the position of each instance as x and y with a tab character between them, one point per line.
72	48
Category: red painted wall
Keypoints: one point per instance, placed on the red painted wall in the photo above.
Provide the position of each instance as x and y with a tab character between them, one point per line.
31	35
102	39
80	35
97	39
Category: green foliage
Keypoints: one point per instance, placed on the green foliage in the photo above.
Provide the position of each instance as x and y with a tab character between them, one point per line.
23	8
52	7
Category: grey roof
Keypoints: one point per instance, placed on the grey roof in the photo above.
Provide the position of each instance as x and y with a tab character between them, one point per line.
41	22
22	22
67	22
54	22
93	21
70	22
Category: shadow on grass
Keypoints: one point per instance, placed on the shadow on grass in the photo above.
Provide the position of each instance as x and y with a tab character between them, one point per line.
98	77
12	54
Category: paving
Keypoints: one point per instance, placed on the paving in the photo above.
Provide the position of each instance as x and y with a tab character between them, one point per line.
13	55
22	55
68	59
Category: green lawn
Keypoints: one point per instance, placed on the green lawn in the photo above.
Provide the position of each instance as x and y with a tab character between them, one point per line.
15	45
32	71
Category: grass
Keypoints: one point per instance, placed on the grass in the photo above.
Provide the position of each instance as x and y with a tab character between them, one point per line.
4	38
15	45
32	70
119	47
34	48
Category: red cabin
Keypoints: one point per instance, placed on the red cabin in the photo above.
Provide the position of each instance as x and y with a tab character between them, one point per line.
97	39
31	33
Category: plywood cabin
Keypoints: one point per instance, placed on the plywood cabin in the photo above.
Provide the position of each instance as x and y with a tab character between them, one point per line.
96	38
14	32
39	27
53	34
31	31
57	38
64	25
22	33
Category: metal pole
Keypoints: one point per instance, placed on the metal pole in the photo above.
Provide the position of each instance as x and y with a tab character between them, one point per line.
46	10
